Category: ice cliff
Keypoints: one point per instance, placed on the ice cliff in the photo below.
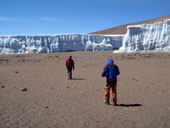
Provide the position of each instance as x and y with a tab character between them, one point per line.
144	37
58	43
147	37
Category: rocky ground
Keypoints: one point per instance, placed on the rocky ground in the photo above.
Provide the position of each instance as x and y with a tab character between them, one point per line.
36	93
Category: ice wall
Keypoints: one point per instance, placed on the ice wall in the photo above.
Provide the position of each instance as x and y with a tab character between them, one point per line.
58	43
147	37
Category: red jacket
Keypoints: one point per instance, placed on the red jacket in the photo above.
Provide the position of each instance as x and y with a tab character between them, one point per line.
70	63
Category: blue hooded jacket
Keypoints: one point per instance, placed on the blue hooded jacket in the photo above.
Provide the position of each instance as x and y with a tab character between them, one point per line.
111	71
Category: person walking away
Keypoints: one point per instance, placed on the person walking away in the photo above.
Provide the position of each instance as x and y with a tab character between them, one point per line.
69	66
111	71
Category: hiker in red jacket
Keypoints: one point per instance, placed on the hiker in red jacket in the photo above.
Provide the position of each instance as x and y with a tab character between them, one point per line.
70	66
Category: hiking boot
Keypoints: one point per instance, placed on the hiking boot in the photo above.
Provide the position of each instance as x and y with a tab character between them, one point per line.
115	104
70	78
106	102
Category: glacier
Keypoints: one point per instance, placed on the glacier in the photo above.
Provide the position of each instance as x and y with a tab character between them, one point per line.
58	43
147	37
143	37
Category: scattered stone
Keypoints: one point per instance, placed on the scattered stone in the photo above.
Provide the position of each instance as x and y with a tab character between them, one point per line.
24	89
2	86
4	60
45	106
23	60
15	88
16	72
134	79
164	91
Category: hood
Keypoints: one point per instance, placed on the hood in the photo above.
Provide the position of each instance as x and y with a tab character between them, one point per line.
70	58
110	61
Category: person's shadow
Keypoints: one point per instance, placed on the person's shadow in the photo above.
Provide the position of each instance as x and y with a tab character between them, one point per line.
128	105
78	79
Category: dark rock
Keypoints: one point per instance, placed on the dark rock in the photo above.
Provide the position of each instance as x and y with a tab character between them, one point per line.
2	86
24	89
16	72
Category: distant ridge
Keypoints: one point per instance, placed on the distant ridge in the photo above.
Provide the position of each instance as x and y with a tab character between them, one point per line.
123	28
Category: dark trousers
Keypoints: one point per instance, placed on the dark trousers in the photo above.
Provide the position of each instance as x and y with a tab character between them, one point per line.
69	71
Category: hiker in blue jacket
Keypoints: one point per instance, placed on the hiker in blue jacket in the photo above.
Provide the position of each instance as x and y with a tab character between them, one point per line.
111	71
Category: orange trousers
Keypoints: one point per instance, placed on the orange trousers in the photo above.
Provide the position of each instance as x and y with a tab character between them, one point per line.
114	93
